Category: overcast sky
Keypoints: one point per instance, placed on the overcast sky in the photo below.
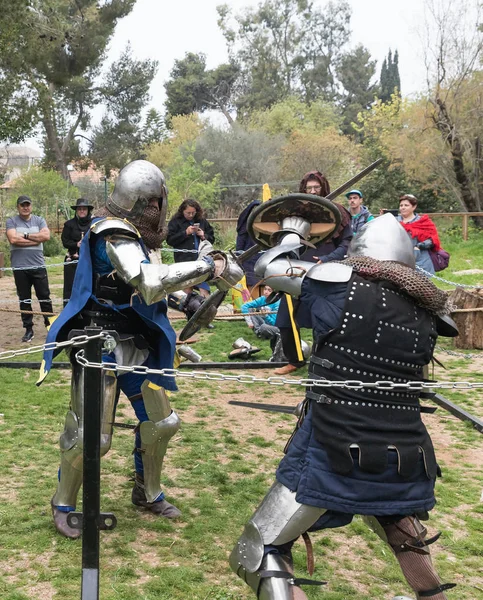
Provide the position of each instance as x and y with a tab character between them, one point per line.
166	31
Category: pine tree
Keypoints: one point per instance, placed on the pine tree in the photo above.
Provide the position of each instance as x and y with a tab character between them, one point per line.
389	82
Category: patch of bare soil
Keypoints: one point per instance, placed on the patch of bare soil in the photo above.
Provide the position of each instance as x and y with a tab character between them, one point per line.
11	328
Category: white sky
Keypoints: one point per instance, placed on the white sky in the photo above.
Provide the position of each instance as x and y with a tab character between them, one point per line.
165	31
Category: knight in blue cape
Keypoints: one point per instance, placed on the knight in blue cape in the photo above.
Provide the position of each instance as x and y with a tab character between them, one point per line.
121	286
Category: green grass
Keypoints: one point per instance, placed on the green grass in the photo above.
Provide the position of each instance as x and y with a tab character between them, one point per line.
218	468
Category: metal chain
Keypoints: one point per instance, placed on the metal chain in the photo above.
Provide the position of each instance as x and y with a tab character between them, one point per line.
79	340
464	285
352	384
460	354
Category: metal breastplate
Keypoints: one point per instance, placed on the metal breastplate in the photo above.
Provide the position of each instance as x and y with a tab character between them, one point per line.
383	336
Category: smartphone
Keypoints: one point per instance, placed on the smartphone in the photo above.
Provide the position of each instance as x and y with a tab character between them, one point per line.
196	225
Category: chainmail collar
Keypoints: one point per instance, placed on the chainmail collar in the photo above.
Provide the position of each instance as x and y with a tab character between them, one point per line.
409	281
147	225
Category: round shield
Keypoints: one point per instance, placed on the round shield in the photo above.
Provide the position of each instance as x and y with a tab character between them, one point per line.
312	217
203	316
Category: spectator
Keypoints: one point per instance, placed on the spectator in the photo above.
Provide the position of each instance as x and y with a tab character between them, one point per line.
263	326
360	214
421	230
186	230
334	249
26	233
245	242
72	234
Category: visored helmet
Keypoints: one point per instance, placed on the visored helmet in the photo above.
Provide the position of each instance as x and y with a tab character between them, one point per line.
384	239
137	183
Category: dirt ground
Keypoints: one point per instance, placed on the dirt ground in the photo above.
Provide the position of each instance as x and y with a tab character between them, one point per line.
11	328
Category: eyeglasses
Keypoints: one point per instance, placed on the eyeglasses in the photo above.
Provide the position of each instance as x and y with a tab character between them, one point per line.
313	188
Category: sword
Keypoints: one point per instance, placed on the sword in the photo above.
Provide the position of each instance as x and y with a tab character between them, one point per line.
281	408
354	179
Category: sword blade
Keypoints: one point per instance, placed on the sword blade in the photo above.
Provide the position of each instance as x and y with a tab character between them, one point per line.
348	184
281	408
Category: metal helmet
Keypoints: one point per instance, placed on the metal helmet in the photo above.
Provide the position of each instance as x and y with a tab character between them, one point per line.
384	239
137	183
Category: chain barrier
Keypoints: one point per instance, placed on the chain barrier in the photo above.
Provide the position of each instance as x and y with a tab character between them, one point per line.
464	285
468	356
79	340
352	384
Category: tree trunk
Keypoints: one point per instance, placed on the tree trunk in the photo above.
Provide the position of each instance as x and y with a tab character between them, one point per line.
470	324
451	137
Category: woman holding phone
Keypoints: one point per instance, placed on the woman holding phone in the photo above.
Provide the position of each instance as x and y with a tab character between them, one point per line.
186	230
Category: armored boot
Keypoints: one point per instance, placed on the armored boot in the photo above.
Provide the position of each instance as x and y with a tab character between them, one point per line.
161	508
154	436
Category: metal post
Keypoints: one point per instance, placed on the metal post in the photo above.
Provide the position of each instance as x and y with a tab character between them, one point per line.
92	470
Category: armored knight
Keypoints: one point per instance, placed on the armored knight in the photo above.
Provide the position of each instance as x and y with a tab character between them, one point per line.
120	287
354	451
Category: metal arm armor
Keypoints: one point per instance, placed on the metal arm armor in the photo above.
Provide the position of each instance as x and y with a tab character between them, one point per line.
153	281
281	268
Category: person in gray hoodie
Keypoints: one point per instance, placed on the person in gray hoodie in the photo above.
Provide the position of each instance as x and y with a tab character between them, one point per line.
360	214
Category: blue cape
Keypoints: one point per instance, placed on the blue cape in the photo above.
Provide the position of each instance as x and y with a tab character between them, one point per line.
161	357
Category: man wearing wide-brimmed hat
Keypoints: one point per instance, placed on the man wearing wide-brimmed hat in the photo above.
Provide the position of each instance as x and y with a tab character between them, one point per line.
72	234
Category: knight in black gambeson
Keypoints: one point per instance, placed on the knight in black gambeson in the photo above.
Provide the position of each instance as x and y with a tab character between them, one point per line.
355	451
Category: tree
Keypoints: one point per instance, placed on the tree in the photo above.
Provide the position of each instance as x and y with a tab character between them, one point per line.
389	82
243	158
285	48
55	59
48	190
293	114
120	137
17	111
355	72
455	97
193	88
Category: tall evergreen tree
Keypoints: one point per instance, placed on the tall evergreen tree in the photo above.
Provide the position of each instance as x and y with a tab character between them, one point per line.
389	82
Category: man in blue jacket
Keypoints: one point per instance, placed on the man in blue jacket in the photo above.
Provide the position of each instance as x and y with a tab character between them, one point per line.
360	214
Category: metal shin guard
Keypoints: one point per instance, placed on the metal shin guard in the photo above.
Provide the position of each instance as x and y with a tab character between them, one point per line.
155	434
278	520
72	438
407	539
278	586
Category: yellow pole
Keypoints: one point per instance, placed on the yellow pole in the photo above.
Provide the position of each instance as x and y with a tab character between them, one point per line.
266	193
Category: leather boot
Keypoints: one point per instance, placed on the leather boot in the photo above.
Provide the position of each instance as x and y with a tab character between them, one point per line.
162	508
286	370
60	522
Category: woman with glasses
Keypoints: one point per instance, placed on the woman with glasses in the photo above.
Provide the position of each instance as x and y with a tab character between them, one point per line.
315	183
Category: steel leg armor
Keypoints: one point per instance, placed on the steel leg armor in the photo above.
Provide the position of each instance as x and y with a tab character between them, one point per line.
278	520
155	434
407	539
71	439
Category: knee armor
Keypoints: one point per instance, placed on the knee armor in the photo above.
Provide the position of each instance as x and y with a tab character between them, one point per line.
279	519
